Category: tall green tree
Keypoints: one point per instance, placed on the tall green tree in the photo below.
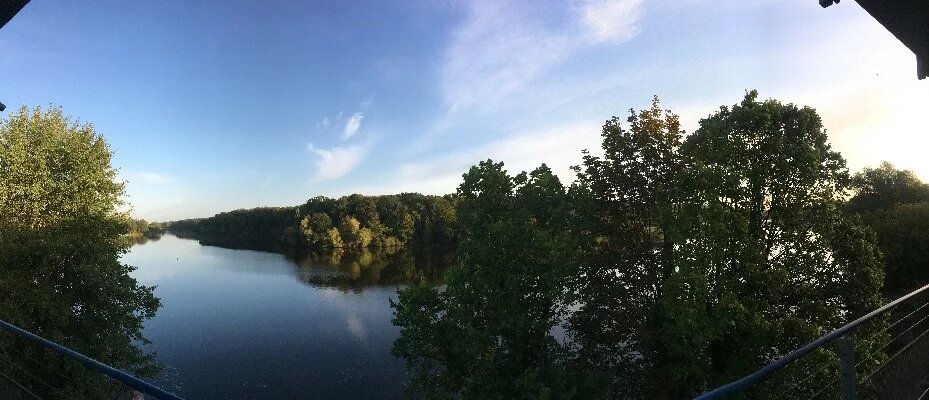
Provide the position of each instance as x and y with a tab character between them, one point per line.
716	253
884	187
768	259
489	333
60	246
631	193
349	231
397	220
319	233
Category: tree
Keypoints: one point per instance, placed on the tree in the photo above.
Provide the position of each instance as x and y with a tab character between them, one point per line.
884	187
363	208
61	238
765	244
319	232
441	212
398	223
629	195
365	237
489	333
715	254
350	232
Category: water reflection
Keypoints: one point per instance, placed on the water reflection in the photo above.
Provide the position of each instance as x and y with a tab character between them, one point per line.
65	282
242	324
358	269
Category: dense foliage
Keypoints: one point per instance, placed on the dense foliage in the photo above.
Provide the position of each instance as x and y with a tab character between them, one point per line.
321	224
674	264
256	229
61	238
489	333
895	204
141	231
720	250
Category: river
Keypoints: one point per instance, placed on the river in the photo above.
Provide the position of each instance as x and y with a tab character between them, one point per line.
241	324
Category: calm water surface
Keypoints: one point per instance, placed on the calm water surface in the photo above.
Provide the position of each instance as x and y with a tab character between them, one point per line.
240	324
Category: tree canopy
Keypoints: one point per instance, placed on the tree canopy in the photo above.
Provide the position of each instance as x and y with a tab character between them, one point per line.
61	238
490	334
881	188
895	204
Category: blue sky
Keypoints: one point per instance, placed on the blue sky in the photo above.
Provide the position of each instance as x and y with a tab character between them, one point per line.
212	106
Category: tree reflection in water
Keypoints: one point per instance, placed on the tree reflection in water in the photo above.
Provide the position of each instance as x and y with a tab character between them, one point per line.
356	269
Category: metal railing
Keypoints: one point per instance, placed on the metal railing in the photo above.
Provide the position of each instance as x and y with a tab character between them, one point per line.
843	336
121	376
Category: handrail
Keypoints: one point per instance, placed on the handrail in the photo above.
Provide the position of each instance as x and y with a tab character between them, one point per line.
90	363
781	363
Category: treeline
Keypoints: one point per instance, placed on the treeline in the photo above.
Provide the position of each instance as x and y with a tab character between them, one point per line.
140	230
673	264
895	205
406	220
254	229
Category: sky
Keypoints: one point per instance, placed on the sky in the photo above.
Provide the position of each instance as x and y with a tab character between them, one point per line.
213	106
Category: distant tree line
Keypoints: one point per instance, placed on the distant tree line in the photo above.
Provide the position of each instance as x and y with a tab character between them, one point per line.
255	229
141	230
321	224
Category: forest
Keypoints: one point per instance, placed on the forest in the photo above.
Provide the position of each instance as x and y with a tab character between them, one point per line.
407	220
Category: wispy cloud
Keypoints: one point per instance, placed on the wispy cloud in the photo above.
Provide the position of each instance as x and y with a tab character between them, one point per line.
352	125
336	162
367	102
494	52
500	48
612	20
504	55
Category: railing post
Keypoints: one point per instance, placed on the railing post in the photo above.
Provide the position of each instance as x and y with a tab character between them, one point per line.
847	360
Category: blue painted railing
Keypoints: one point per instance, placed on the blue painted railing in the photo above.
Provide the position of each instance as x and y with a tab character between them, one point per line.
121	376
847	354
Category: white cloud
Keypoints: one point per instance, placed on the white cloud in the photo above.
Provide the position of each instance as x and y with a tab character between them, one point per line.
501	47
496	51
336	162
367	102
352	125
504	54
611	20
